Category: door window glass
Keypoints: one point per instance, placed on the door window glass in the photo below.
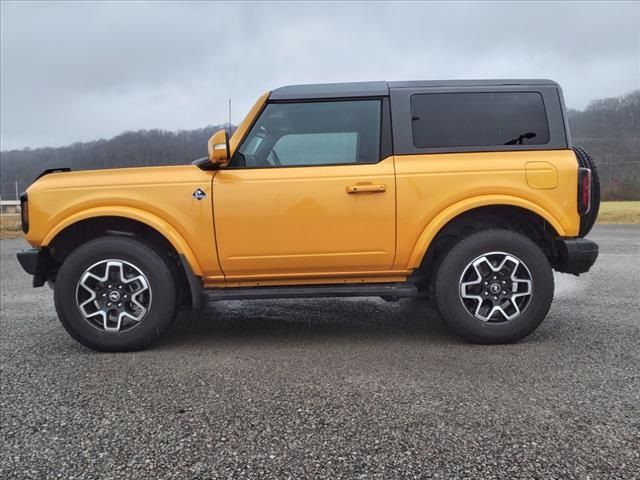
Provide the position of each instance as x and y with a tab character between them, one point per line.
317	148
313	133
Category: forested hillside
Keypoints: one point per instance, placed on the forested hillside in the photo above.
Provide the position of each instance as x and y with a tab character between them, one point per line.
609	129
130	149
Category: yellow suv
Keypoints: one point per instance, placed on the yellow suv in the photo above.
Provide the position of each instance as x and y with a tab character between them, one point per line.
465	192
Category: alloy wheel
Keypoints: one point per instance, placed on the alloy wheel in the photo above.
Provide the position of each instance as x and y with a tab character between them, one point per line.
496	287
113	295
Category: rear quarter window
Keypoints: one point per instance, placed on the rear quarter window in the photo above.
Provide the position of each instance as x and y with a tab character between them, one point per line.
470	119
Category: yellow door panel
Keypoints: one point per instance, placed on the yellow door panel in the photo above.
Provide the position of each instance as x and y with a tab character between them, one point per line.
317	219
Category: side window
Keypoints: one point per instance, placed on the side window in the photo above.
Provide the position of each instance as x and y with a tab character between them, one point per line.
318	148
253	145
313	133
478	119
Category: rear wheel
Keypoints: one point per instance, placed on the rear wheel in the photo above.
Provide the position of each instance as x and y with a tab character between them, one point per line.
495	286
115	294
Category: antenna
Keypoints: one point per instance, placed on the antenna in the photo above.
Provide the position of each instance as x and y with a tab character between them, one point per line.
229	115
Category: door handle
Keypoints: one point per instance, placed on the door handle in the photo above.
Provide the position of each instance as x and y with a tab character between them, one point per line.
367	188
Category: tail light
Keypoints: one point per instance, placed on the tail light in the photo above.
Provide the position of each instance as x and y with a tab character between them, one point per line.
584	190
24	212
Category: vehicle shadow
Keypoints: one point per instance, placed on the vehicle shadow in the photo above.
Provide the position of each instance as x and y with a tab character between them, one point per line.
307	321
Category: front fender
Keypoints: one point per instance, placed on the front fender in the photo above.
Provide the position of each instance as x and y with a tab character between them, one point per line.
151	220
448	214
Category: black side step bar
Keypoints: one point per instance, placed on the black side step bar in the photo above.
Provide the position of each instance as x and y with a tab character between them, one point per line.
312	291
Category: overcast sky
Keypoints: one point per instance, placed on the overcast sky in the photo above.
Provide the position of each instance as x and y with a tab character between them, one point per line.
82	71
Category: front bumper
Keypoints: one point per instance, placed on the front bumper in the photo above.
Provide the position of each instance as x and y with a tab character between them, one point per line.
576	255
36	262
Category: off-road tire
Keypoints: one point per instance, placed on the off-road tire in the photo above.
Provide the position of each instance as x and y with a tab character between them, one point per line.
448	287
161	283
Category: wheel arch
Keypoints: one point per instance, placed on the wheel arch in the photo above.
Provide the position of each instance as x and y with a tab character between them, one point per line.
478	205
99	215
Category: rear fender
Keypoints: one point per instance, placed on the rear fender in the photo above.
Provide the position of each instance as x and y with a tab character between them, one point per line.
448	214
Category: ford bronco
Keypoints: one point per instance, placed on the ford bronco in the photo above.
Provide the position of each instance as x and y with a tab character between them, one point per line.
468	193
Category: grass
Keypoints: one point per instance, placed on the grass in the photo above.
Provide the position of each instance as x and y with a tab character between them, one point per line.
10	226
619	212
610	213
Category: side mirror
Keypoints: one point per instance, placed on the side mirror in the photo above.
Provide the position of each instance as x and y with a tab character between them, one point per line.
219	151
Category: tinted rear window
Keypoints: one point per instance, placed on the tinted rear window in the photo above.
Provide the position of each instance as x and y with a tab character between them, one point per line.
478	119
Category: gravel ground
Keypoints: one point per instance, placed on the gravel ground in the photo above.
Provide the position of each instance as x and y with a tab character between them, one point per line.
355	388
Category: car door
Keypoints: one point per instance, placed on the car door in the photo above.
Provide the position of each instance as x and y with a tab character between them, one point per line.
310	192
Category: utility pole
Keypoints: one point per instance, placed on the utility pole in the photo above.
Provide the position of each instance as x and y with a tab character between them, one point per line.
17	196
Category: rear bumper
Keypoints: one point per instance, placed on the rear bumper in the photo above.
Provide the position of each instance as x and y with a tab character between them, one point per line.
35	261
577	255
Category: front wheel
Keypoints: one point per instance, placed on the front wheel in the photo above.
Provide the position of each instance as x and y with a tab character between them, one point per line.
495	286
115	294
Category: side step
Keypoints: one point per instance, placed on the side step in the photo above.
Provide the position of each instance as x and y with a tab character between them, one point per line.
393	290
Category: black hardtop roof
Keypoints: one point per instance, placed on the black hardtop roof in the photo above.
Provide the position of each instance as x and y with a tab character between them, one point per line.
381	88
330	90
